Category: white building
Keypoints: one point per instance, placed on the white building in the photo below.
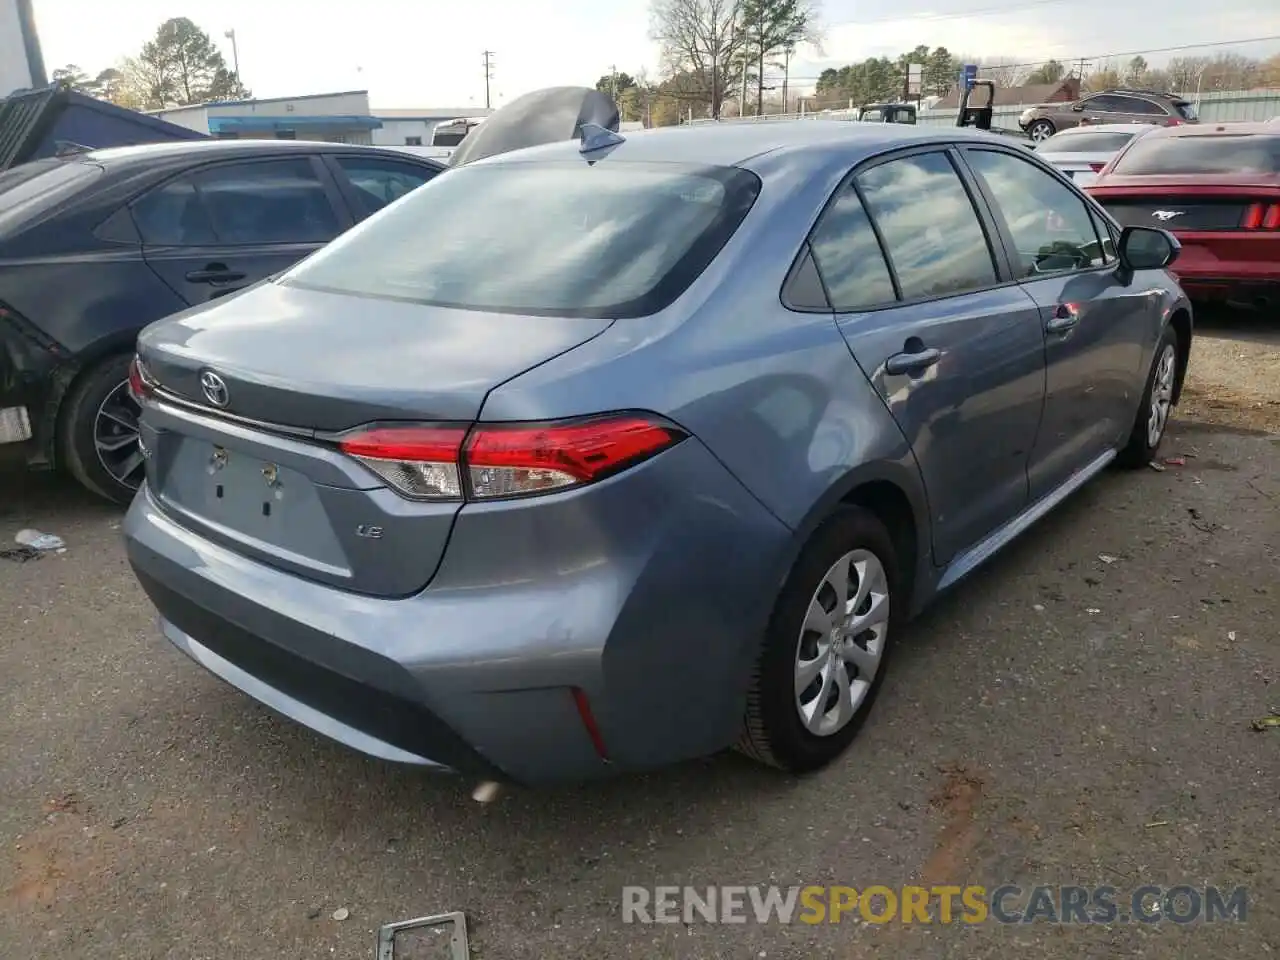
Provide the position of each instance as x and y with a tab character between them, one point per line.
343	117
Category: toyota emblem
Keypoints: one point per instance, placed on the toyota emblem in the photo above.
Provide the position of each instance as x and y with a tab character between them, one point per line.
215	388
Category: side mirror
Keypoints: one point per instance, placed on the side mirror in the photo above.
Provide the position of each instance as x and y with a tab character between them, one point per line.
1146	248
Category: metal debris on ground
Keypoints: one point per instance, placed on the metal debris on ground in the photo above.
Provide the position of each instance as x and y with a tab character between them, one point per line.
1107	558
20	554
1271	721
1156	466
452	924
341	913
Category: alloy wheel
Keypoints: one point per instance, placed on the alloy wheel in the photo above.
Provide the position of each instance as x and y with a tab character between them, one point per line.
842	642
1161	395
115	437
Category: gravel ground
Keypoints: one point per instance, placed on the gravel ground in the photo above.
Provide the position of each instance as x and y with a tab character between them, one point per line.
1059	719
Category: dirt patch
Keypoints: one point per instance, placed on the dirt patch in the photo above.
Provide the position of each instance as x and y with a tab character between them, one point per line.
52	861
957	800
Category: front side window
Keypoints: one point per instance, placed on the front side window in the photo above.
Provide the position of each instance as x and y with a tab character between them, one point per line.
380	182
546	239
277	201
934	239
1103	104
1051	226
848	256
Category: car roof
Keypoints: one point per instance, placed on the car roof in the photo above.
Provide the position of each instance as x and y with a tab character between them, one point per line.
734	144
1234	127
1104	128
144	152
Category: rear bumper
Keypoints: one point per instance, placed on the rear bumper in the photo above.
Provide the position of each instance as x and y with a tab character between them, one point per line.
655	617
1237	268
27	367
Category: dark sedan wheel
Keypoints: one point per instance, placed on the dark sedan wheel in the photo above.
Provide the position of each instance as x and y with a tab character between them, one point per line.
825	654
99	432
1157	404
1041	130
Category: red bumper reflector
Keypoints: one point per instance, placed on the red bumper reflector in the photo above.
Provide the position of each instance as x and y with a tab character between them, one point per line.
589	722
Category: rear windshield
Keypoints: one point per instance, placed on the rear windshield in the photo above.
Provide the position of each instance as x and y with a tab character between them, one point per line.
545	239
1084	143
1186	110
1228	153
28	187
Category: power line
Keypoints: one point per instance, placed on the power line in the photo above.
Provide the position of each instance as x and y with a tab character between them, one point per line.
488	75
1128	53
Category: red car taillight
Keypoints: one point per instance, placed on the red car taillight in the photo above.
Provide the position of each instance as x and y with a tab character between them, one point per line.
140	383
1261	216
494	461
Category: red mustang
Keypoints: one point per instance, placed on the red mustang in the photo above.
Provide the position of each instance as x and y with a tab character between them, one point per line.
1216	187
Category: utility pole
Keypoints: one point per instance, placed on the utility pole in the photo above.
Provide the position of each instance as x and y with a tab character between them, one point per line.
235	52
613	81
488	75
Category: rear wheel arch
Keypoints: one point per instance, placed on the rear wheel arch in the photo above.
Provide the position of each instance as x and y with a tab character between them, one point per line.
890	491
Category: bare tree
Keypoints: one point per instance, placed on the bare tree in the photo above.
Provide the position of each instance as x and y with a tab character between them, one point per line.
700	42
1003	71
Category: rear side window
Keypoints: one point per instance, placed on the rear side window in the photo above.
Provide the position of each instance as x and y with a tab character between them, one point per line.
848	256
1186	110
934	239
1144	107
30	187
277	201
1226	153
1084	143
545	239
379	182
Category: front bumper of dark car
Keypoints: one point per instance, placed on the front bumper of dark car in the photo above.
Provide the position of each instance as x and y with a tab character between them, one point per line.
651	622
28	365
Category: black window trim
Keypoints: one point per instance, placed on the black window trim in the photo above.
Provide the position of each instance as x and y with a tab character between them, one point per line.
1004	273
327	181
1006	234
332	161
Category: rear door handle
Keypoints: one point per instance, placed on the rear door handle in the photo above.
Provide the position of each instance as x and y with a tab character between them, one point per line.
214	273
915	362
1064	319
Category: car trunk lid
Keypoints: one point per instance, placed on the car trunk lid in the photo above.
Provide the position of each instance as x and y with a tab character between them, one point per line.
1217	204
254	465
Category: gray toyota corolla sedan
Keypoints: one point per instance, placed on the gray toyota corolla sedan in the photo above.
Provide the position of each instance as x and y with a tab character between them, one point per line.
602	454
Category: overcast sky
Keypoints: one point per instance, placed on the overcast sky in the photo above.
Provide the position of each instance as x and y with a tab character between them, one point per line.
427	53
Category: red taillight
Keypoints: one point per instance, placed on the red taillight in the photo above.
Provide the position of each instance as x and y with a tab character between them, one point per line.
140	384
1261	216
506	460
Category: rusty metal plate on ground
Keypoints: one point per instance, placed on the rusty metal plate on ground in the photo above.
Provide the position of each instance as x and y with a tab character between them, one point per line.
441	937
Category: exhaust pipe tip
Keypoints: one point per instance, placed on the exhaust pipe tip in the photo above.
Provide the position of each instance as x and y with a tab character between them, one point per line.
486	792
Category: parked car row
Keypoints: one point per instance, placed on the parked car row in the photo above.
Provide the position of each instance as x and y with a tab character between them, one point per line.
1216	187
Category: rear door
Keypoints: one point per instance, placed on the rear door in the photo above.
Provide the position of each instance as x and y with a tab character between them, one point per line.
220	228
369	183
1096	328
955	353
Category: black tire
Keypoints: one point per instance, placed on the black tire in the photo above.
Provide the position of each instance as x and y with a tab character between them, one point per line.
1045	127
773	732
1139	450
78	422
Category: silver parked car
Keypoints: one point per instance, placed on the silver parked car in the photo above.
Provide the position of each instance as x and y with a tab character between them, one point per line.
1082	152
653	451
